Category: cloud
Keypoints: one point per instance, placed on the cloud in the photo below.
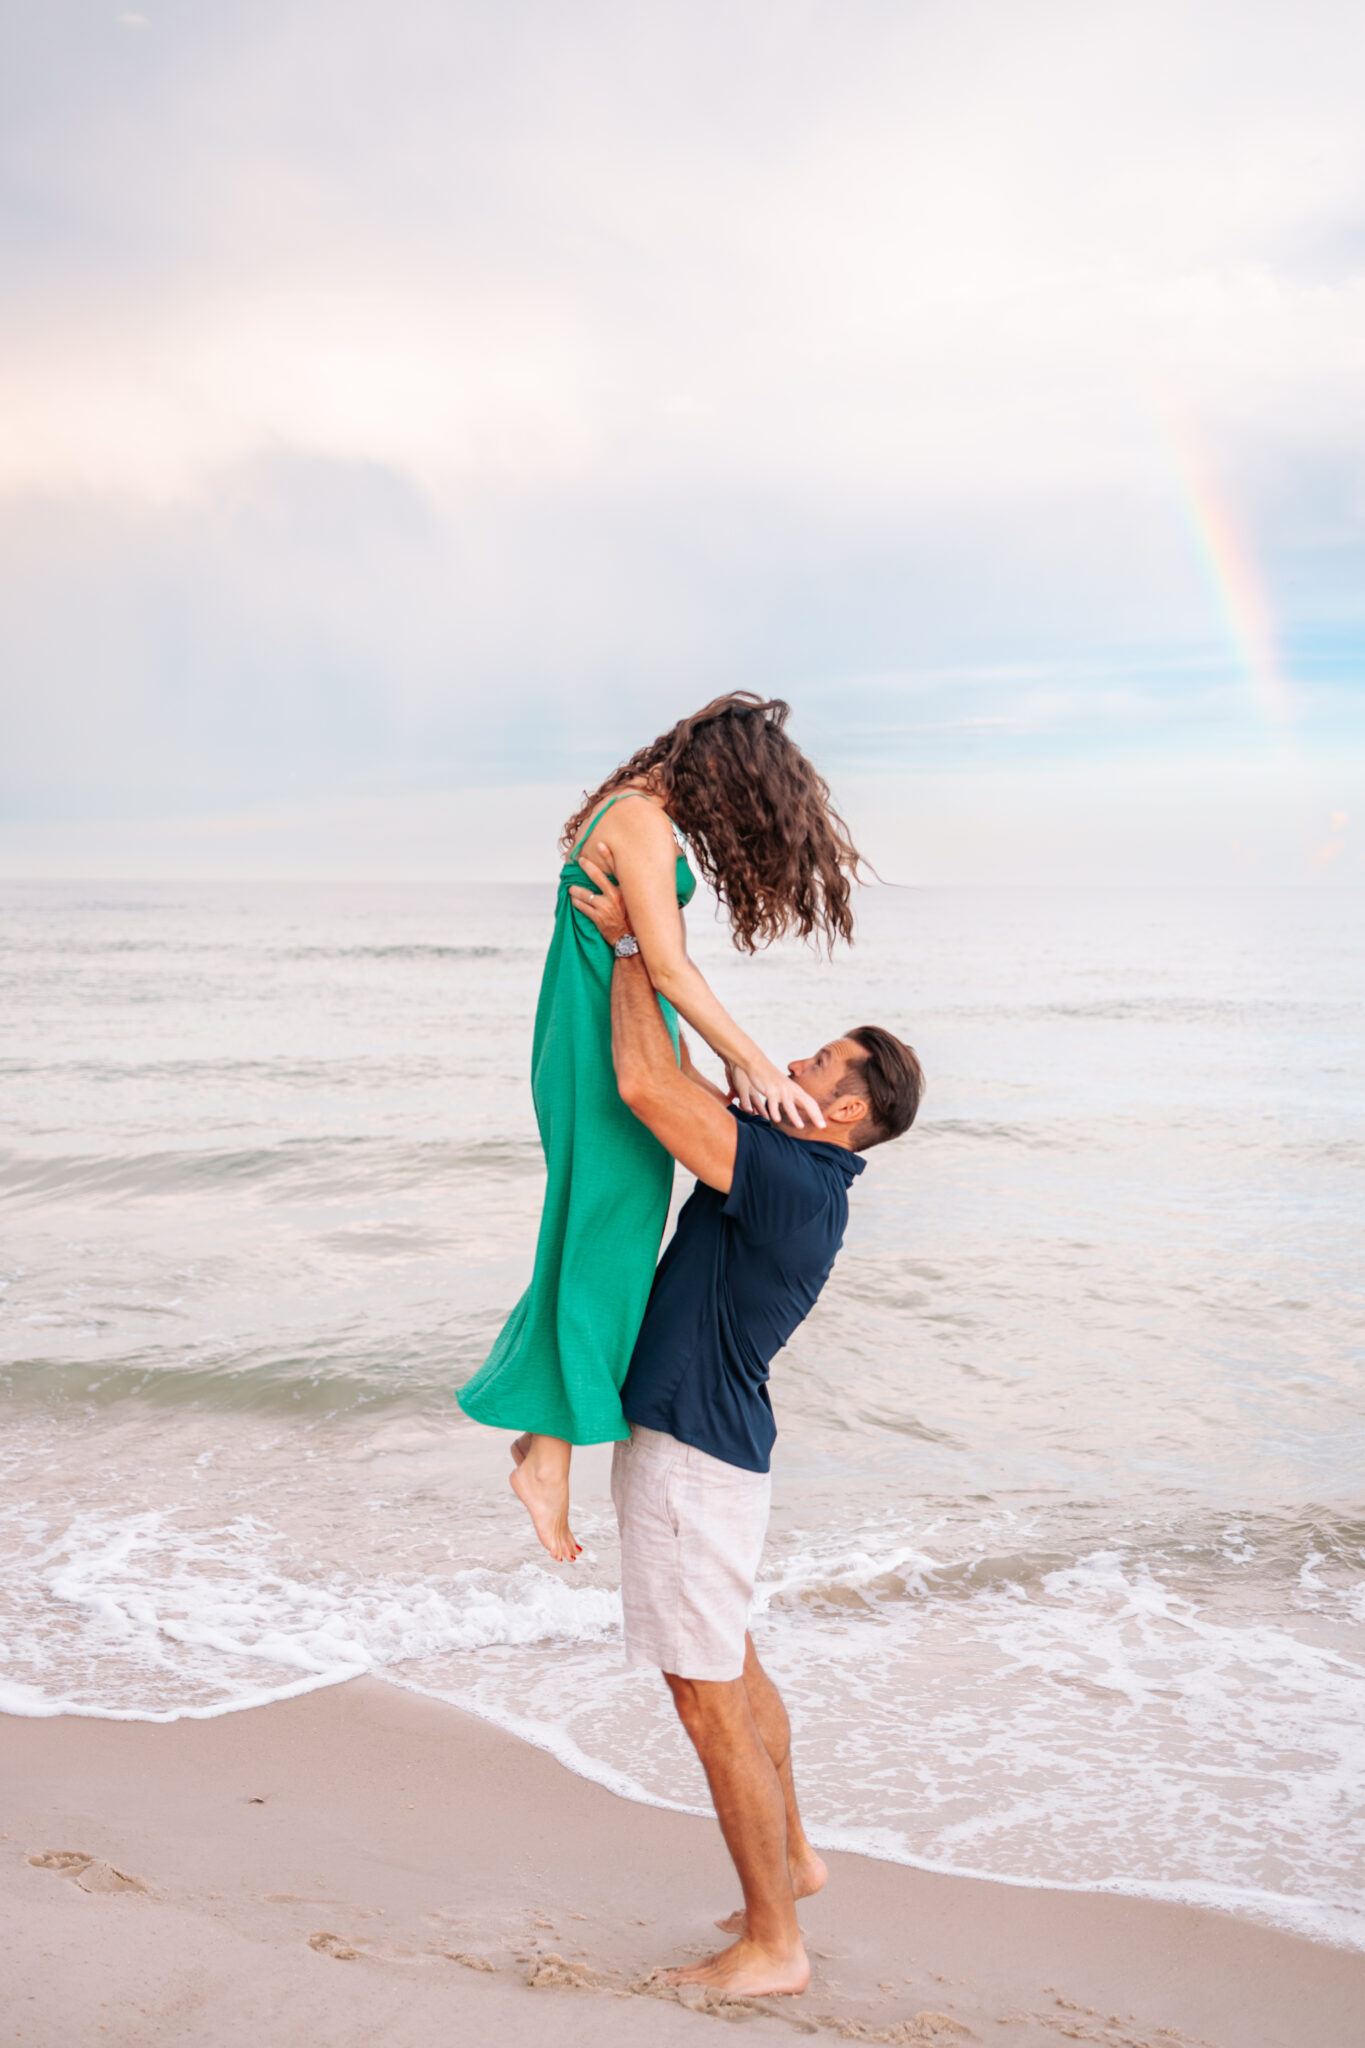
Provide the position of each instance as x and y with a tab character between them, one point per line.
462	391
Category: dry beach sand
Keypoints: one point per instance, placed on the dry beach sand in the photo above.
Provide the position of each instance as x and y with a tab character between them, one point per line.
363	1864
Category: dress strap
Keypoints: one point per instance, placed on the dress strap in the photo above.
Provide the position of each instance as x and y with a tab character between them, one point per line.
592	827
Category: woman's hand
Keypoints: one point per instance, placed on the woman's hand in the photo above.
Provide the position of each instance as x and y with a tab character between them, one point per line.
771	1093
741	1089
607	910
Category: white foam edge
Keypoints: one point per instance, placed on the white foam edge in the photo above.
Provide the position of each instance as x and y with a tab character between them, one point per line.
26	1703
1322	1920
555	1743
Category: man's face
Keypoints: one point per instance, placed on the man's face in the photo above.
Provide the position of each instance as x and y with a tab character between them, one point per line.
825	1074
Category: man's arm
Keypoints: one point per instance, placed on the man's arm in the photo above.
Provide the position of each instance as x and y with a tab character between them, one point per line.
686	1114
689	1120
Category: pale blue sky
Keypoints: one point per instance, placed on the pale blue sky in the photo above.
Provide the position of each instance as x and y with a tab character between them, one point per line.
399	402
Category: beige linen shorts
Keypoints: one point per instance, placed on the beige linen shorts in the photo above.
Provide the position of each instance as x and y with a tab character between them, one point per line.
692	1534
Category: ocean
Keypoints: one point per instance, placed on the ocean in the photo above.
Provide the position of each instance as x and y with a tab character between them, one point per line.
1066	1578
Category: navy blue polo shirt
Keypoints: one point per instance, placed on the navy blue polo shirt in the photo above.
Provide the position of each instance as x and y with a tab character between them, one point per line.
742	1272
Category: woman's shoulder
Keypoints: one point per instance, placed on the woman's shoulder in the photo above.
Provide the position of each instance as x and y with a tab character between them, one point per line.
634	815
641	803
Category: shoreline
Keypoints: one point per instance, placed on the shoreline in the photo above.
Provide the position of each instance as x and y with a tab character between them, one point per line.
1278	1910
1275	1910
363	1861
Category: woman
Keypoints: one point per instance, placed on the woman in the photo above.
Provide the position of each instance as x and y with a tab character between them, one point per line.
759	822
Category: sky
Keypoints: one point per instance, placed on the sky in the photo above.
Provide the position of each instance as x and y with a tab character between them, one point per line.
407	411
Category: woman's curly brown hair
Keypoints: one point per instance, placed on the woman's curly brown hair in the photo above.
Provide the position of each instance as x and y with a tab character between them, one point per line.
756	815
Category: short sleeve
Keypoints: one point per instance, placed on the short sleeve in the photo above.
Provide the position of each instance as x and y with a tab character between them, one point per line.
775	1190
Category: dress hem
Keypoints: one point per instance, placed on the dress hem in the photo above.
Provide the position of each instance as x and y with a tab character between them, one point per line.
543	1426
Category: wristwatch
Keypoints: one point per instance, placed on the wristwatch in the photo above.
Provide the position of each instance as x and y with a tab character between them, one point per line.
626	947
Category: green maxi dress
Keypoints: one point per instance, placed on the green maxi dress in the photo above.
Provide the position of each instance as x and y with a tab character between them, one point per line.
559	1361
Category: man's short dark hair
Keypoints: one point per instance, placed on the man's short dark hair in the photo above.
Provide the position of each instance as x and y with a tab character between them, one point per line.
891	1079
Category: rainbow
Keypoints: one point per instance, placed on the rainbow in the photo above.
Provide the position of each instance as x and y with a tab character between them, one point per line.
1229	567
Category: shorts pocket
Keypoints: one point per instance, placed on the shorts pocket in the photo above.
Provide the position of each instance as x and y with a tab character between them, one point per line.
670	1497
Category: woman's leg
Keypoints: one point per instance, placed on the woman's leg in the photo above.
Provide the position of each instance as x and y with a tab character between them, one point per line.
540	1481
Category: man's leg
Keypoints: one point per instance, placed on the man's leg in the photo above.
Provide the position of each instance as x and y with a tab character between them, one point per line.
748	1797
806	1868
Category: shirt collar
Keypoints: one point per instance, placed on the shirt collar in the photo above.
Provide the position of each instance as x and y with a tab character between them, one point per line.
851	1163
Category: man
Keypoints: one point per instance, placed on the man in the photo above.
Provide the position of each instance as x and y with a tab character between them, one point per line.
754	1245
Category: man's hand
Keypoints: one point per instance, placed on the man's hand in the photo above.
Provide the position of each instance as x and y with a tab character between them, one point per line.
607	910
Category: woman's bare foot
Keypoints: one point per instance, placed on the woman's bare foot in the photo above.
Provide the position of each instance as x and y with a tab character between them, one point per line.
747	1971
540	1481
808	1875
520	1446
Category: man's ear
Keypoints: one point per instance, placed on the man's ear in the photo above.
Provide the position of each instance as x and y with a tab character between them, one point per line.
847	1109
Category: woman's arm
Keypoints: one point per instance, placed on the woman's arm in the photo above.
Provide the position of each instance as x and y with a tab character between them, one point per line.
641	854
697	1080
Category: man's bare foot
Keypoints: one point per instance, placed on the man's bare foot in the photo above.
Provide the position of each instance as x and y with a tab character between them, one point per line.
808	1877
747	1971
546	1501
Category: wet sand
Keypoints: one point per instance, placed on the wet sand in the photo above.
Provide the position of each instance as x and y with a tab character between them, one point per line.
364	1865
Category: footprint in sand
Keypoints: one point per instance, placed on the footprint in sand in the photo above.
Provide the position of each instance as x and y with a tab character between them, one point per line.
91	1873
925	2030
335	1946
548	1973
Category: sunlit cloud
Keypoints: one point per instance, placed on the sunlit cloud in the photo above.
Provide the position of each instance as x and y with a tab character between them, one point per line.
445	393
1334	847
